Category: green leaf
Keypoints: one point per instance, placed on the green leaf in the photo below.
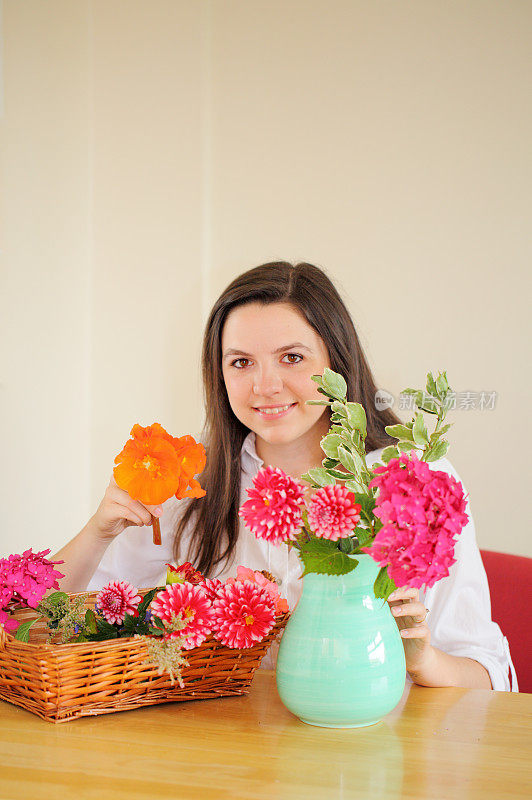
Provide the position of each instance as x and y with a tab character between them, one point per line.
324	557
366	502
56	598
436	435
431	384
334	384
354	485
388	453
90	621
410	391
364	537
405	447
317	403
430	406
346	545
347	460
399	432
438	451
329	444
356	417
419	431
339	408
442	385
23	631
320	476
383	586
146	600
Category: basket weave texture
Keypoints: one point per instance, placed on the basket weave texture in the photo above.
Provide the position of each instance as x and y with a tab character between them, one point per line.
61	682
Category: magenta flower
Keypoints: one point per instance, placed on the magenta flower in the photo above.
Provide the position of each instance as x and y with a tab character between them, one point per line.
26	578
333	512
423	512
192	603
116	600
9	623
211	587
244	613
273	511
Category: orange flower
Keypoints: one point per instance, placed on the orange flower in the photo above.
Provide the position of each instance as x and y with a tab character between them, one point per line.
154	465
192	461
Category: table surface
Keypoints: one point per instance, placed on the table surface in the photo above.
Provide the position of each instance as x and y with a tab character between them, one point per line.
437	743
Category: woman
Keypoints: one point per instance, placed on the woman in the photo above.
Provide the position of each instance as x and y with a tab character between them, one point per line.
270	330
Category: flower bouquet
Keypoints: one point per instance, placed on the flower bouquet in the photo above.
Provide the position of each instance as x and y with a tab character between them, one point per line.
360	533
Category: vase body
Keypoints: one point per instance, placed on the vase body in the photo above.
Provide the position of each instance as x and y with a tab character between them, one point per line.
341	660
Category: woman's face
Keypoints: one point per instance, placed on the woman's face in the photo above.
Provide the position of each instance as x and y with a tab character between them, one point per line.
269	353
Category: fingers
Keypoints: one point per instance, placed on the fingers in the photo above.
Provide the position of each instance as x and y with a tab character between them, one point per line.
419	632
122	498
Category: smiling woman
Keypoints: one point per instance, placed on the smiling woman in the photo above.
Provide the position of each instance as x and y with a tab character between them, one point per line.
270	331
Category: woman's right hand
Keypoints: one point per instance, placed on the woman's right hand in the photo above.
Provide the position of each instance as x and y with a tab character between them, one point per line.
118	510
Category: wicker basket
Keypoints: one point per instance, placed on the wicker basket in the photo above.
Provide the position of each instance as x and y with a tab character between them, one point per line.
61	682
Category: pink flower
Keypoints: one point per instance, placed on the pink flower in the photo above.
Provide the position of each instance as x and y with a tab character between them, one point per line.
211	587
10	625
423	512
246	574
333	513
273	511
192	603
116	600
244	614
26	578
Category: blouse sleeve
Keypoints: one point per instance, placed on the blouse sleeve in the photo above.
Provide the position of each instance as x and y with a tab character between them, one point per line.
460	609
133	557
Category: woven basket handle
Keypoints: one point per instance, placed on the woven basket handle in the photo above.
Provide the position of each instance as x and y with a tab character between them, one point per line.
3	637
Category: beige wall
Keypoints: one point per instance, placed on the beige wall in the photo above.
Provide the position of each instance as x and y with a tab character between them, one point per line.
151	151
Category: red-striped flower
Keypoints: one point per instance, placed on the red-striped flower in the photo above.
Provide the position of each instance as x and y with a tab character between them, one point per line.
244	613
116	600
273	511
194	607
333	513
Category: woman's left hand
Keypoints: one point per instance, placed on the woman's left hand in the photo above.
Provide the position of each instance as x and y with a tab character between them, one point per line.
410	615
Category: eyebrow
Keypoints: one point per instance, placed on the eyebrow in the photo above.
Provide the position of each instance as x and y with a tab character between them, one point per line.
299	345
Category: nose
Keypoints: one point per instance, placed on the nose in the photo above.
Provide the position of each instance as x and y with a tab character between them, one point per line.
266	382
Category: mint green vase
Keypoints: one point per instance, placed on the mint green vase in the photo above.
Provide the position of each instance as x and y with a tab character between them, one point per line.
341	661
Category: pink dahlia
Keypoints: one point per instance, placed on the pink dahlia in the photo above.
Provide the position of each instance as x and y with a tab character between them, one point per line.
194	607
244	613
26	578
246	574
116	600
333	513
273	511
423	512
211	587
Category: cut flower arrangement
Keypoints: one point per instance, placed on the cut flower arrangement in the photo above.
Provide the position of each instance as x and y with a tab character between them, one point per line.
402	513
239	613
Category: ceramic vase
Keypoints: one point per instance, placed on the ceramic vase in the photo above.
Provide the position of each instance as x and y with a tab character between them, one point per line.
341	660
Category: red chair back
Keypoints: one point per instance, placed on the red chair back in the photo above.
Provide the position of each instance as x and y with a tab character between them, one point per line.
510	582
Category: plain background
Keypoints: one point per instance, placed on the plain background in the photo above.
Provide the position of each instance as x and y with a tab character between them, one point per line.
151	151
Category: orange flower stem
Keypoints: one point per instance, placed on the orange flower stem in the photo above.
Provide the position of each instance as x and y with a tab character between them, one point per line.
156	531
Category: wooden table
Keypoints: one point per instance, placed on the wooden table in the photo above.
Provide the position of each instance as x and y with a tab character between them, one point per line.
438	743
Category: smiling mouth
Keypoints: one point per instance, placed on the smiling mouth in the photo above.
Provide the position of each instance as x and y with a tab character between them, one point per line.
276	411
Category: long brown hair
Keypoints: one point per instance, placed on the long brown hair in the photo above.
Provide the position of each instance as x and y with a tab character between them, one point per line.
308	289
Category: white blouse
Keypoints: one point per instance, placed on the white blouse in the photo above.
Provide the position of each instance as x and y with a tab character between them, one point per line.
460	609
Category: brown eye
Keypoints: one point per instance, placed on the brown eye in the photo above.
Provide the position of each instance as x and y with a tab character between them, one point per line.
237	363
293	356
